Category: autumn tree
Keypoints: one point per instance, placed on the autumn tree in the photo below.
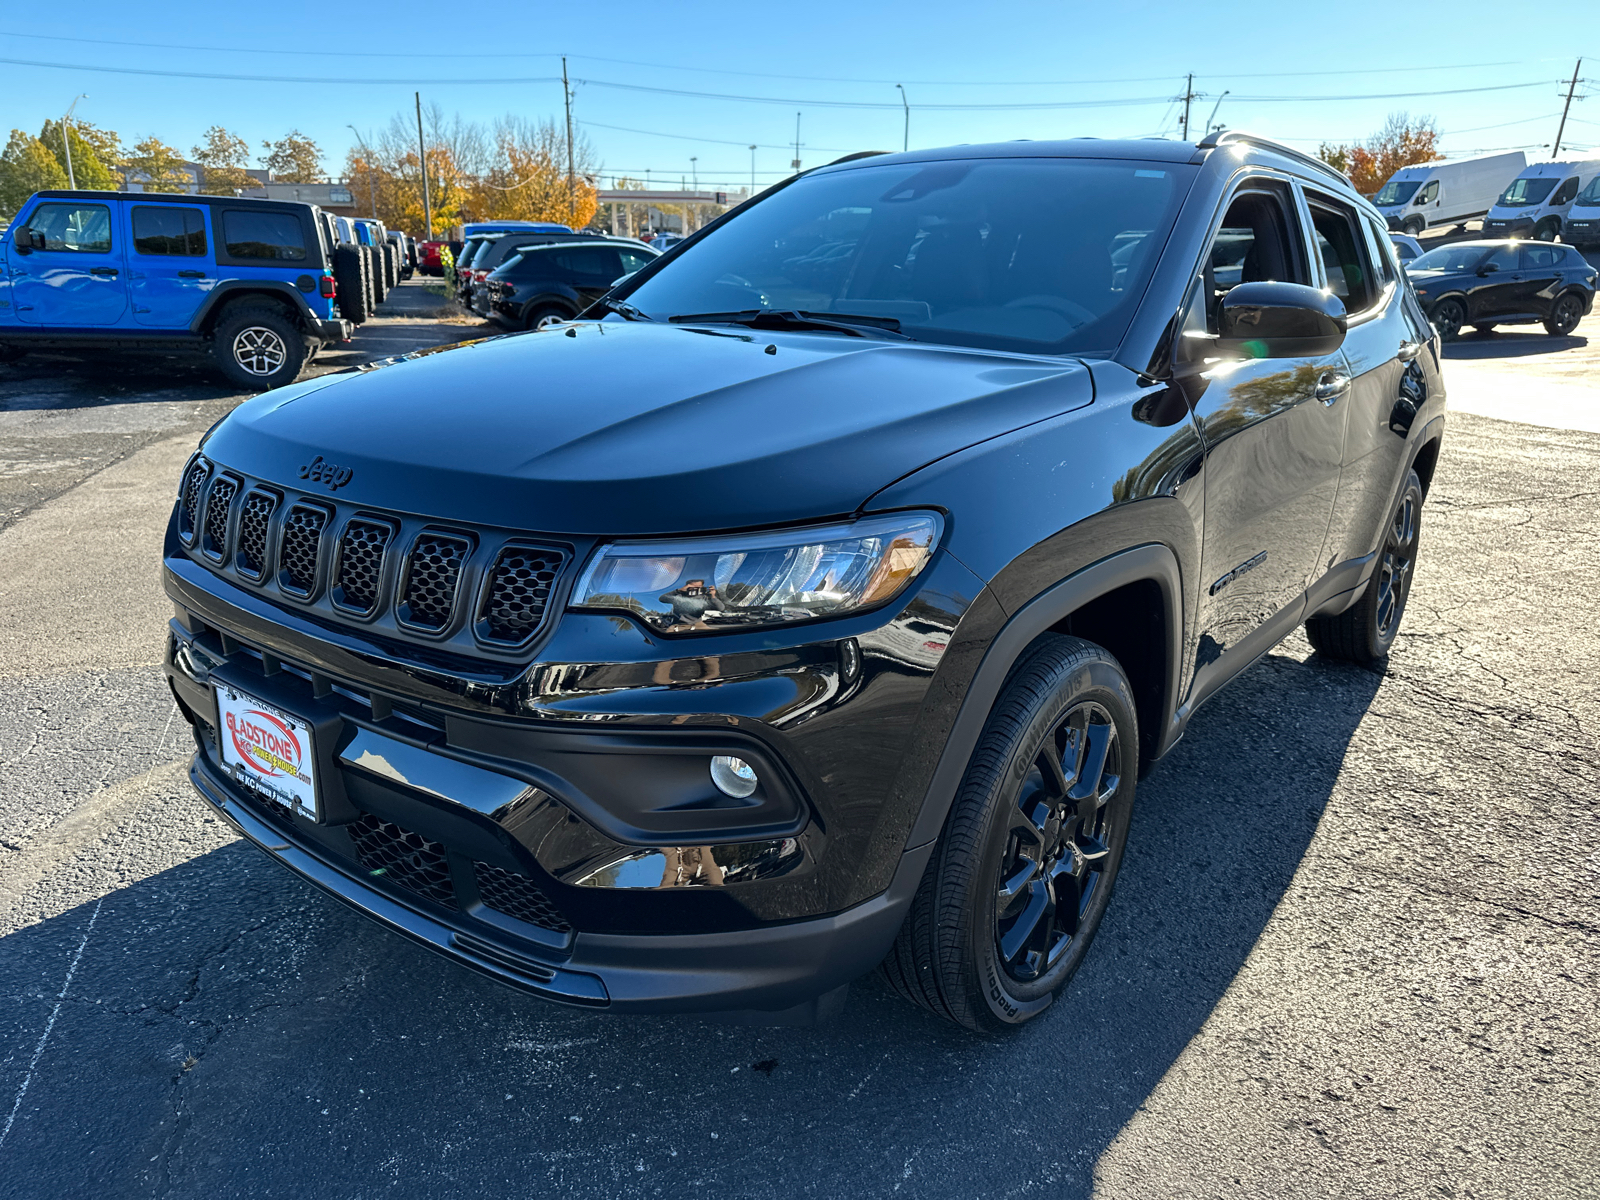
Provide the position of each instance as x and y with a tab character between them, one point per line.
157	166
105	143
226	158
529	180
87	168
1402	142
26	167
293	158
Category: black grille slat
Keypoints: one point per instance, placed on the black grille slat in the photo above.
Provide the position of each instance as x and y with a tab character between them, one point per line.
433	579
300	548
255	517
193	488
392	852
518	592
219	504
361	550
517	896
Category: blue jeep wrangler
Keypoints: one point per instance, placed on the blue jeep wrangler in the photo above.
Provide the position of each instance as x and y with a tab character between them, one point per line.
249	282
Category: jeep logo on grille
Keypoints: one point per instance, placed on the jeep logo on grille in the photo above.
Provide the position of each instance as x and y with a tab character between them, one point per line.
319	470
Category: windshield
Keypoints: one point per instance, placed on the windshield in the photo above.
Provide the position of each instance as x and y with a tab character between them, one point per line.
1590	196
1464	257
1044	255
1525	191
1396	191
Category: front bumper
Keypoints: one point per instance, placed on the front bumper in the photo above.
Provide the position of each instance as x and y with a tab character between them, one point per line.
1514	227
336	330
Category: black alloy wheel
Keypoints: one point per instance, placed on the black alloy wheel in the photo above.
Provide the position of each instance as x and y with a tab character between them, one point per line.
1396	564
1448	316
1023	873
1564	317
1365	631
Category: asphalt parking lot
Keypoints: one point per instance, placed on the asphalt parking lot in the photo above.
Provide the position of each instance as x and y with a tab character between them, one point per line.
1354	950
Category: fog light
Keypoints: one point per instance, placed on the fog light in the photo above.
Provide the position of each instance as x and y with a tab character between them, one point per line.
733	776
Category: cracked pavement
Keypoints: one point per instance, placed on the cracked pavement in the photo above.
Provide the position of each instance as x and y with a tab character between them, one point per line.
1354	952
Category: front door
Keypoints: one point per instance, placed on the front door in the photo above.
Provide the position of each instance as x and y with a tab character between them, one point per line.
169	263
1274	437
1494	294
66	267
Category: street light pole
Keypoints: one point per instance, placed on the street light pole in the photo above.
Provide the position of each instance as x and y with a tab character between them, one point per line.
66	141
372	182
1214	108
752	170
906	142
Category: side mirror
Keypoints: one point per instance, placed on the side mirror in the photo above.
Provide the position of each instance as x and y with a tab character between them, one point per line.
1487	268
1280	320
23	240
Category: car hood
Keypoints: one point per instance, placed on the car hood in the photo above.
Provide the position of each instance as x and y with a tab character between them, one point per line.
628	429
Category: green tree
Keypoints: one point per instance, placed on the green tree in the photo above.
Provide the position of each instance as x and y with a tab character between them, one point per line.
26	167
226	157
87	168
293	158
157	166
106	143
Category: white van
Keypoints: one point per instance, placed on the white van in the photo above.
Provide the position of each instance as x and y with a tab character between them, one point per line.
1536	203
1445	193
1582	226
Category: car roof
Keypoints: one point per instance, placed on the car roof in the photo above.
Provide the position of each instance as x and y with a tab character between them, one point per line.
174	198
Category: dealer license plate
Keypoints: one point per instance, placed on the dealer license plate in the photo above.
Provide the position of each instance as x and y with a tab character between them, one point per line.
268	750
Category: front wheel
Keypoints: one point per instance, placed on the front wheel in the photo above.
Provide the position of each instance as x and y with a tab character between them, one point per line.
258	348
1023	873
1448	316
1548	231
1365	631
1565	316
1412	227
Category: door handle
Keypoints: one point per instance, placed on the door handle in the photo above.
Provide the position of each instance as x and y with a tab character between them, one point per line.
102	271
1332	385
191	274
1408	351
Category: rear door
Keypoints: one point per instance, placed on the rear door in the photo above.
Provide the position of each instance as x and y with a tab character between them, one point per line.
588	270
71	276
1538	277
169	263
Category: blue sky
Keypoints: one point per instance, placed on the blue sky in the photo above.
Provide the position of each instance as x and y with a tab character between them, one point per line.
1117	65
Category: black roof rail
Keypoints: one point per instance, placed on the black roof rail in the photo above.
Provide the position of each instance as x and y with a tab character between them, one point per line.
1234	137
856	155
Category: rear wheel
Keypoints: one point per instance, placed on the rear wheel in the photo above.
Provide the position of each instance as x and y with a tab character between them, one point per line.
1448	316
258	347
1364	632
544	318
1564	317
1023	873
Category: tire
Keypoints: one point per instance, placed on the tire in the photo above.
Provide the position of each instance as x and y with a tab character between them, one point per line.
352	288
1566	314
544	317
1548	231
258	347
1486	330
391	266
1024	869
1412	226
1448	316
1365	631
380	278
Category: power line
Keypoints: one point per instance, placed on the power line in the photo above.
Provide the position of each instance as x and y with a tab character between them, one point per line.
684	137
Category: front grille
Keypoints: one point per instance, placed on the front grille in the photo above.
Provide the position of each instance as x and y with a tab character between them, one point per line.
516	896
435	570
519	589
301	545
218	504
392	852
193	488
361	564
254	518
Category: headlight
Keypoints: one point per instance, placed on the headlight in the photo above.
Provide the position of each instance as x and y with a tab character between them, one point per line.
717	585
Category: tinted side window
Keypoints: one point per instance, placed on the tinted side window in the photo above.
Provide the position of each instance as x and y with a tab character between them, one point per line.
270	235
1566	192
1254	244
169	230
84	228
1343	252
632	260
589	265
1503	259
1429	193
1383	254
1535	258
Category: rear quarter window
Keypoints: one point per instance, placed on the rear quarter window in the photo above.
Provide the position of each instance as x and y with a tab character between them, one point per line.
272	236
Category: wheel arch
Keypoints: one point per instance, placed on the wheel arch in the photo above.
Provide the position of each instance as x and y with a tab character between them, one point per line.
1133	600
228	295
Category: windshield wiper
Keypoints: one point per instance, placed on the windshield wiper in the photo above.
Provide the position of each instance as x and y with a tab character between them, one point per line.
623	309
852	324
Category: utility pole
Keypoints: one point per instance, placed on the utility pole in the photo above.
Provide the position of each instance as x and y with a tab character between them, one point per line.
572	175
1188	98
1571	87
422	157
66	142
795	165
905	143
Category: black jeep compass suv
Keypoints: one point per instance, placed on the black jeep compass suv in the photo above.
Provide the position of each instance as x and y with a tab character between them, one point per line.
814	604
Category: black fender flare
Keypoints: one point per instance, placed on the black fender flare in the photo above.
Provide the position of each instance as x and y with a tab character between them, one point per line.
1153	561
232	289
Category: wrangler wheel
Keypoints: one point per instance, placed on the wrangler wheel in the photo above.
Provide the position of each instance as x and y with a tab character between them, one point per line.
258	347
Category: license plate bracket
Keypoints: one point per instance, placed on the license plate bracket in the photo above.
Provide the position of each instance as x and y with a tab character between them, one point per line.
268	750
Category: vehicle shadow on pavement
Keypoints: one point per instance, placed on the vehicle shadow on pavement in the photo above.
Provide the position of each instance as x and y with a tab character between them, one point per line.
230	1030
1505	343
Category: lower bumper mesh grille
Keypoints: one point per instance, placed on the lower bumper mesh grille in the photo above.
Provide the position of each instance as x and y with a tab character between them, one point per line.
392	852
516	896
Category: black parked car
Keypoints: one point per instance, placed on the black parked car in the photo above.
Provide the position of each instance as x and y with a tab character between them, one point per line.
1484	284
545	285
764	631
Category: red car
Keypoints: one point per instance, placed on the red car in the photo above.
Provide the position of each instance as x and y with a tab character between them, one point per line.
428	256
